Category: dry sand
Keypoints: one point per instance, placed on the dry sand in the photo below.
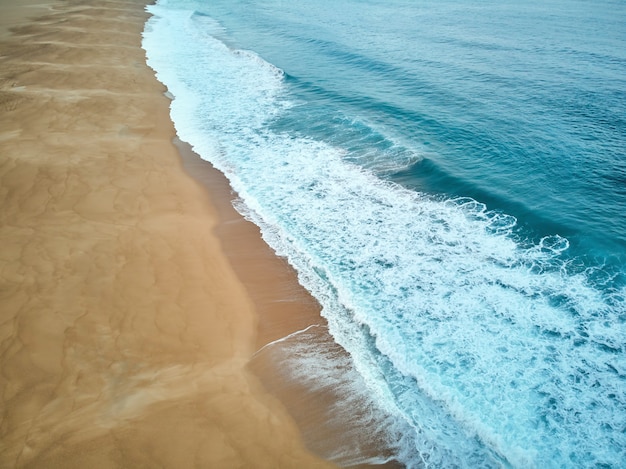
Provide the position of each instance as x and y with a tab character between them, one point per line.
124	330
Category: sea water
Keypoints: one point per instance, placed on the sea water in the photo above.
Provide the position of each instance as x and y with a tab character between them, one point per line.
449	180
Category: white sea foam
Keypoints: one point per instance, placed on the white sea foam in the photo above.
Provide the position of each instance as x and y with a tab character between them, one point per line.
494	353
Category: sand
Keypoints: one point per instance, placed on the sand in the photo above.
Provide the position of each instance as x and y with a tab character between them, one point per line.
125	330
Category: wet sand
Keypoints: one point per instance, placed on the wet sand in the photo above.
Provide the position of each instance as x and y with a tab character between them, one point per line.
125	331
297	360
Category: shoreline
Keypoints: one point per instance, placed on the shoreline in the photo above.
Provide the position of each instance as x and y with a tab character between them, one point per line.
327	415
282	304
126	332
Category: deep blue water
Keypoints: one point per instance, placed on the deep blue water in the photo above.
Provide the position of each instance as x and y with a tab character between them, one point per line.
449	180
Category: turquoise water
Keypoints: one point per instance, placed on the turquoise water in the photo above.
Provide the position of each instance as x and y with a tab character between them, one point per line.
449	180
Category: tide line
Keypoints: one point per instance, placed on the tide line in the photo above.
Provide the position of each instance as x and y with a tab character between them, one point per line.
282	339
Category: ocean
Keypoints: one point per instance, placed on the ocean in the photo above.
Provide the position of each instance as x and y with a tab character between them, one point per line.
448	178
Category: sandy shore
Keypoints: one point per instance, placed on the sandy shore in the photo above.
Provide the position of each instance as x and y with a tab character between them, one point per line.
125	332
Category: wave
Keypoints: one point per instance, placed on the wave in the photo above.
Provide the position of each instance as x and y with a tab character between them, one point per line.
494	350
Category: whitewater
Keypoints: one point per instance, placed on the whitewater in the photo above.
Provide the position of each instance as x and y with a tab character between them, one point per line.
468	250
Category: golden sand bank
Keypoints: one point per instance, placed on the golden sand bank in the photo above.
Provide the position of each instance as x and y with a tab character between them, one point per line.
125	331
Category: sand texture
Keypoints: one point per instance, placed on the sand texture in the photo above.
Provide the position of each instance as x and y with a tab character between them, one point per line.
124	330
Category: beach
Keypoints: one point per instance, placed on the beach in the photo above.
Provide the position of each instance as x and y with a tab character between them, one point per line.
272	235
132	298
